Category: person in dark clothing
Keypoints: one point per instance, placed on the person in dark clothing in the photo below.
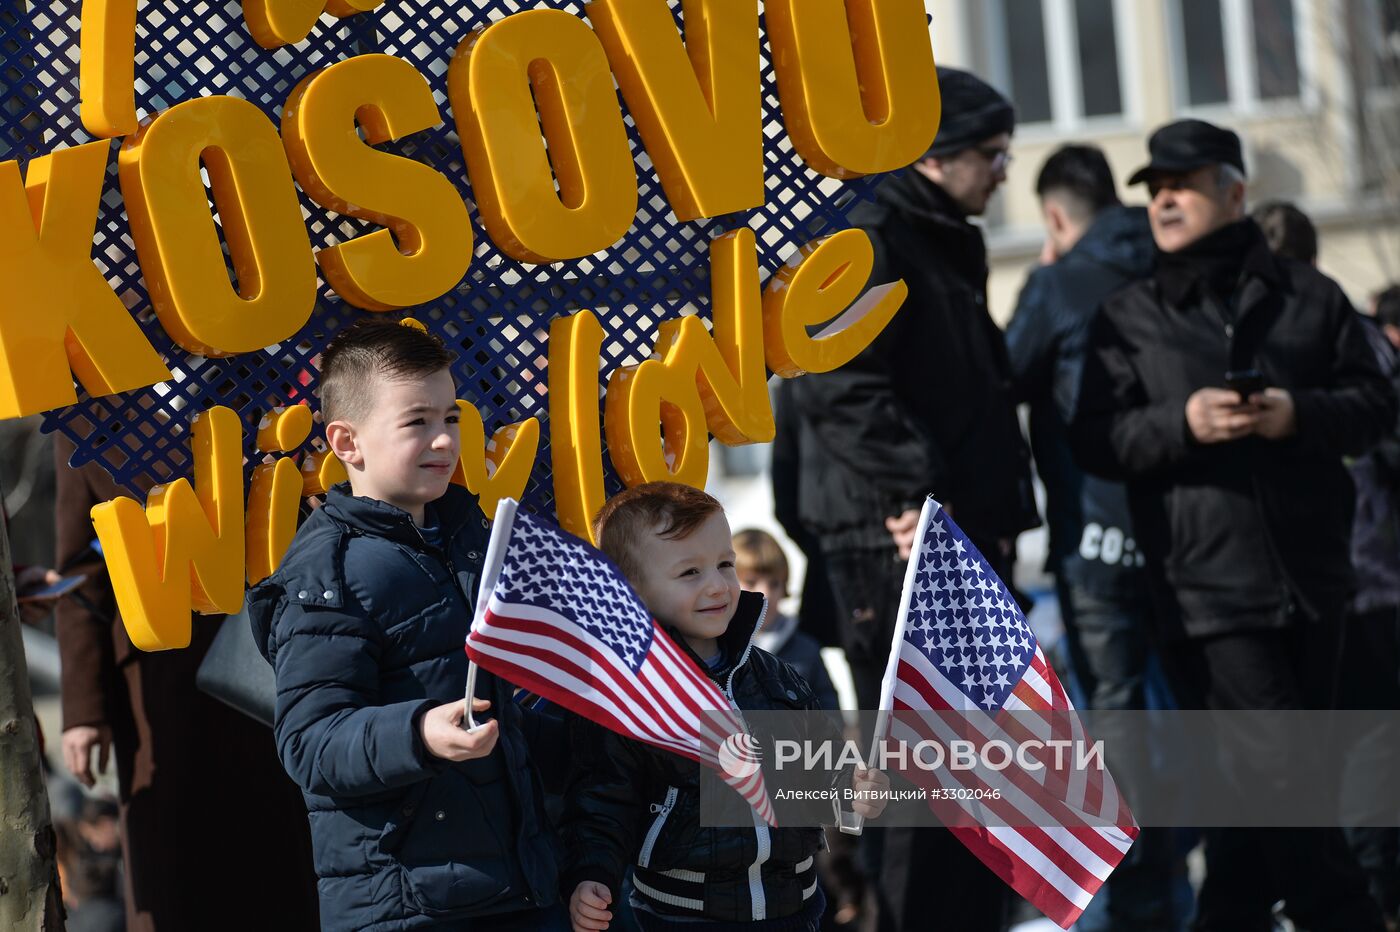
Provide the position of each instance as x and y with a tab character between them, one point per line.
927	408
1372	643
632	804
885	429
200	789
1288	231
416	822
1098	246
1226	390
1101	246
817	611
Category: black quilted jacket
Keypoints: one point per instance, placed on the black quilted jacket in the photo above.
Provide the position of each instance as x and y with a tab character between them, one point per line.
632	804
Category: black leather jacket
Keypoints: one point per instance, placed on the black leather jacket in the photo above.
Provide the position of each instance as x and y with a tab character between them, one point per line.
632	804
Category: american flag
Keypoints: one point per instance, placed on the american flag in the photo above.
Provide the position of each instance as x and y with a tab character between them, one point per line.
965	665
556	617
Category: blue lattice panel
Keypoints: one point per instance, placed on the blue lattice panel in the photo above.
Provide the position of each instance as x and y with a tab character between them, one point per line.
497	319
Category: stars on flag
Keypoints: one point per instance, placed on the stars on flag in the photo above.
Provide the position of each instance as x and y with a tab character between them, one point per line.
964	621
546	569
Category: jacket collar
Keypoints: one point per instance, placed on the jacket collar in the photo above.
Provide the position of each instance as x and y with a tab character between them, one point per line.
380	519
1231	256
737	642
1120	237
928	207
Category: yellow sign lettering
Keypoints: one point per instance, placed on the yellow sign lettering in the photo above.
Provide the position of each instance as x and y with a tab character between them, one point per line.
699	385
389	99
575	437
274	504
274	493
490	83
275	23
185	549
500	469
819	286
178	244
857	82
59	312
106	67
321	469
701	117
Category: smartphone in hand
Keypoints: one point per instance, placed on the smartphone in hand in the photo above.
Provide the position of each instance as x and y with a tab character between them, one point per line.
53	590
1245	382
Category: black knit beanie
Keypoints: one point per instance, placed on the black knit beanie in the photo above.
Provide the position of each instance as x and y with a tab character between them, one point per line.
972	111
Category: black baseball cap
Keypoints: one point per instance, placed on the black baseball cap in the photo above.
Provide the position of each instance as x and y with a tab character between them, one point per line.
1187	145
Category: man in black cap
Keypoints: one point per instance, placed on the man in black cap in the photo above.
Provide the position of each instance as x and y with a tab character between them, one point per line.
1226	390
926	408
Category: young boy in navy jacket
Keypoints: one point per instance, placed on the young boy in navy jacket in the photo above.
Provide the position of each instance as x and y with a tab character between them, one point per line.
416	822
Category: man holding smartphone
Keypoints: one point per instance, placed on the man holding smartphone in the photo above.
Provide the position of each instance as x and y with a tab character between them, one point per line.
1226	390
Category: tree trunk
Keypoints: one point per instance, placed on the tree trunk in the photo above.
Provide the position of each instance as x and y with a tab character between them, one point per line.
29	895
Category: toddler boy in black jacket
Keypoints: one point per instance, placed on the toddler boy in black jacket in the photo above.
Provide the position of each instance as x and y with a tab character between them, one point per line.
630	804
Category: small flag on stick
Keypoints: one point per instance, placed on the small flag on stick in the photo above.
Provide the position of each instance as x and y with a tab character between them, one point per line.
555	616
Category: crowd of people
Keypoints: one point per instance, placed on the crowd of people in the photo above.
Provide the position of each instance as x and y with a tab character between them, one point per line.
1202	403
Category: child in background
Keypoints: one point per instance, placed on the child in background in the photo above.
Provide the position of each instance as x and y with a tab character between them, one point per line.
763	568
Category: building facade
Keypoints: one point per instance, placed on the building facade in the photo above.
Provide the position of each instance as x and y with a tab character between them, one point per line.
1312	86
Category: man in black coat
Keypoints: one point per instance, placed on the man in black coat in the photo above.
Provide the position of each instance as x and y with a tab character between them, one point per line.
1226	390
1095	246
926	408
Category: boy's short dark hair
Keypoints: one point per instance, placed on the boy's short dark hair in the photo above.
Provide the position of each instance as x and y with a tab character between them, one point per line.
374	348
1288	231
675	508
1388	306
758	553
1081	174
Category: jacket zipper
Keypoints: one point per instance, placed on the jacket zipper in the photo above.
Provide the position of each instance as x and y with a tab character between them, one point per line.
1292	595
662	811
760	828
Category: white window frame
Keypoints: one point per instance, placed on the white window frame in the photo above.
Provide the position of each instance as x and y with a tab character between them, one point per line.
1062	65
1241	67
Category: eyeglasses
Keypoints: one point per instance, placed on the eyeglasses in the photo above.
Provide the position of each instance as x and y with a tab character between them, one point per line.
998	159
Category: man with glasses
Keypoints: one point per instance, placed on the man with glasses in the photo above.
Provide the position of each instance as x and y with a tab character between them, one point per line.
926	408
1226	390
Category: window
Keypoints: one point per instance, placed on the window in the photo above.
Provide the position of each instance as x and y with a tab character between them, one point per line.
1098	57
1203	40
1029	83
1058	59
1239	53
1377	27
1276	49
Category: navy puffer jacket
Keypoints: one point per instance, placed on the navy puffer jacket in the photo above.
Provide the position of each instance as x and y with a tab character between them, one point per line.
364	623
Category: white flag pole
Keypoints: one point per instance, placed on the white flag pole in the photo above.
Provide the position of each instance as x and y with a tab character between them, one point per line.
491	571
853	823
